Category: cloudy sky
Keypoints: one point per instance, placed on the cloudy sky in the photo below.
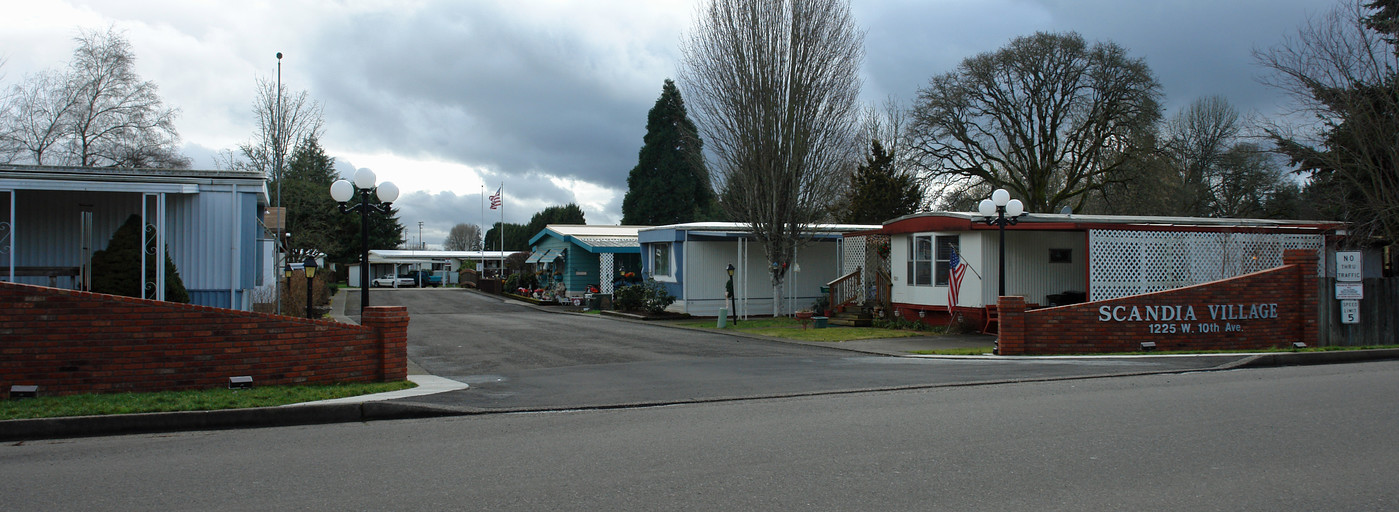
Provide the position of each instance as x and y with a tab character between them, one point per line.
447	98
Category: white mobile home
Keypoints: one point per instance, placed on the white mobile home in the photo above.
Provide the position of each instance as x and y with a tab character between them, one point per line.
1057	259
691	261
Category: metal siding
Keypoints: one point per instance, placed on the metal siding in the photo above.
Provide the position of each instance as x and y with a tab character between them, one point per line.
1028	271
201	239
709	274
247	246
210	298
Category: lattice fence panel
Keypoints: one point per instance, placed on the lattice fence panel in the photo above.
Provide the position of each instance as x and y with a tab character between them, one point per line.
852	254
1123	263
607	270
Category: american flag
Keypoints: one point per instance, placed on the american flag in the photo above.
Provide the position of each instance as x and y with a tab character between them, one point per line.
495	199
955	270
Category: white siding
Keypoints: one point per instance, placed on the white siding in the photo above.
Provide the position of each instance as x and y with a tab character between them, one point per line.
1028	270
705	274
1029	273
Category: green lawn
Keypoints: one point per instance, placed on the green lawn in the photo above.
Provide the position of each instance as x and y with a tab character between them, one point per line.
987	350
783	327
194	400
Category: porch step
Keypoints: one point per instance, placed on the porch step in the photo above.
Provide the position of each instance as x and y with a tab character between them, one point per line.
850	320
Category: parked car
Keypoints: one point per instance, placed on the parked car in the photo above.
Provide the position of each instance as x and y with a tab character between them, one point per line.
403	281
425	278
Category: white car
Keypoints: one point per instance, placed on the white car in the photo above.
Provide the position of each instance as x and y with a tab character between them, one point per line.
389	281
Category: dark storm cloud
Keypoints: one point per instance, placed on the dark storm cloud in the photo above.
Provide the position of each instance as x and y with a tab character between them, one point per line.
464	83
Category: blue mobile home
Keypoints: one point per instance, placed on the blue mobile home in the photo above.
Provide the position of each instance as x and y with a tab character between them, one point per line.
53	218
585	255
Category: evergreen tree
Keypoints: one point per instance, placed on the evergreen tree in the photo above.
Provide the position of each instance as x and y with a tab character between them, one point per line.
566	214
879	192
516	238
313	217
669	184
116	270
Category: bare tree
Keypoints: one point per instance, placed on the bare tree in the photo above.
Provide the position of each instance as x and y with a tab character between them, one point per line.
115	119
278	129
463	237
34	116
1196	141
775	85
98	113
1342	72
1049	117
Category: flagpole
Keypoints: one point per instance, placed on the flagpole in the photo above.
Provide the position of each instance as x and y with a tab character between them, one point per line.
482	234
501	193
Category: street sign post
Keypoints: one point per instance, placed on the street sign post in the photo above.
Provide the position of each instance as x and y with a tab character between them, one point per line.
1350	291
1350	311
1348	266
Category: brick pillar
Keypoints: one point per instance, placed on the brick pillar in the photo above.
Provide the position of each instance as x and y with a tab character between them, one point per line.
1011	333
391	324
1304	264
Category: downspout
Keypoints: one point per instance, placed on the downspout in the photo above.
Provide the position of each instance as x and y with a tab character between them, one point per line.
685	271
237	248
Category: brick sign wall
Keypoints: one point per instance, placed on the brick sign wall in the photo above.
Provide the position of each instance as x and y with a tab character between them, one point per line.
1265	309
70	342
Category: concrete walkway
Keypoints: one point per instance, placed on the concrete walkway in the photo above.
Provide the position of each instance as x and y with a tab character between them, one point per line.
427	384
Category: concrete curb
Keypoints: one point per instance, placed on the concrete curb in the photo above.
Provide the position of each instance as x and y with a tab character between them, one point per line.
122	424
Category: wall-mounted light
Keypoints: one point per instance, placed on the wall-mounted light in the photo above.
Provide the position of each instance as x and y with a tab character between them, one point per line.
240	382
1148	346
24	391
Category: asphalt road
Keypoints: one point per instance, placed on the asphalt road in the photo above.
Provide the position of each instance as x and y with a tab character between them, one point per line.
1291	438
517	357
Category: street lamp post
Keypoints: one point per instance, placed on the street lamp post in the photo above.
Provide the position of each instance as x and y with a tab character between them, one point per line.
342	191
1001	211
310	267
730	288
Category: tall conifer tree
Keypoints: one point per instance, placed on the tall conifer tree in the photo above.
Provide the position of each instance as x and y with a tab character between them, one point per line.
669	184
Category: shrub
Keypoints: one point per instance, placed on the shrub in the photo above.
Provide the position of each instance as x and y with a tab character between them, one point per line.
649	296
525	280
117	269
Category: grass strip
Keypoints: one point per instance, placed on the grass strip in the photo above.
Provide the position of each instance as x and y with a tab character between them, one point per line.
987	350
189	400
790	328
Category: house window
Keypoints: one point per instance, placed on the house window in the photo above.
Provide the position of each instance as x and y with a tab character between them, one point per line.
929	258
946	246
920	261
660	260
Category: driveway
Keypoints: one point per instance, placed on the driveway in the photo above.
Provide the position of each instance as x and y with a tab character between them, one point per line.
516	357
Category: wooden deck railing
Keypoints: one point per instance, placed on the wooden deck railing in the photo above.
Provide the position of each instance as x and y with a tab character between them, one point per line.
845	290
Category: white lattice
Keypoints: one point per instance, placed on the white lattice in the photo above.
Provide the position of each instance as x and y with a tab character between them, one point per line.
606	271
852	254
1123	263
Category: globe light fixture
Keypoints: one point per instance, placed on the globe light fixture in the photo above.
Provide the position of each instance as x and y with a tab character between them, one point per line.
341	191
1001	211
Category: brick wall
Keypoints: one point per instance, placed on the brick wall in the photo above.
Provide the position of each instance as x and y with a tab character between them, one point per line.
1265	309
70	342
